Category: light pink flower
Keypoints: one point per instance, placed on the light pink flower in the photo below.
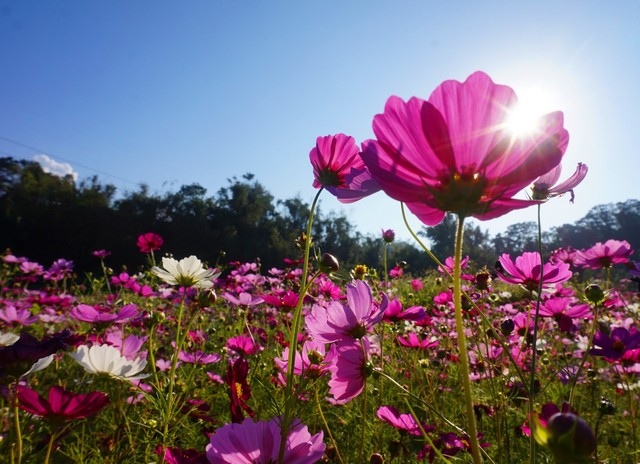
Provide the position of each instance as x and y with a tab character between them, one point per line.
259	443
337	167
454	152
525	271
405	422
353	320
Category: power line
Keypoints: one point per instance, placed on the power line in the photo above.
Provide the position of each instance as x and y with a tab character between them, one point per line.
60	158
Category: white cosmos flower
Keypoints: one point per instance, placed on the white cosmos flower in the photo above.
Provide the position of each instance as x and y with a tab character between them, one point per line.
107	359
7	339
187	272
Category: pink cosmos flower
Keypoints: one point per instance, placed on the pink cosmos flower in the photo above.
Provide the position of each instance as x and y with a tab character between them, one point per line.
17	316
395	312
603	255
388	235
563	310
312	362
198	357
337	167
242	345
412	340
545	186
101	254
61	405
405	422
525	271
353	320
259	443
349	369
454	152
149	242
91	314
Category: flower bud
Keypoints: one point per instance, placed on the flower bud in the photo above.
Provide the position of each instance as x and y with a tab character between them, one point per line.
376	458
606	407
569	438
388	235
594	294
329	263
507	326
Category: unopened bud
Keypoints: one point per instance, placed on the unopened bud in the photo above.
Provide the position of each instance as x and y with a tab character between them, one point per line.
376	458
594	294
570	438
329	263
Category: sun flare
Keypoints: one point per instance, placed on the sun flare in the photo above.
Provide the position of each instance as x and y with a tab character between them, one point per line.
524	118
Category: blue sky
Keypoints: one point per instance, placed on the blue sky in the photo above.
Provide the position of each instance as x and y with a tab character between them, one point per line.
173	93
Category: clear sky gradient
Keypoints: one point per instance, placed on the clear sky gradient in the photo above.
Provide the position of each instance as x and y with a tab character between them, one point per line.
171	93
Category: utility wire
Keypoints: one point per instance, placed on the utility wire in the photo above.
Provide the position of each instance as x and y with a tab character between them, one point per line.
60	158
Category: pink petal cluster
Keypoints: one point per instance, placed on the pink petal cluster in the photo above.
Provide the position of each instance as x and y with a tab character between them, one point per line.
454	153
525	271
252	442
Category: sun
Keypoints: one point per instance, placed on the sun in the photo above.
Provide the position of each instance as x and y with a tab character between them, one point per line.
524	119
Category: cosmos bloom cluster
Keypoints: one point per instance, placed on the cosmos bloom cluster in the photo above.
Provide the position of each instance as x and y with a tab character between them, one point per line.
350	331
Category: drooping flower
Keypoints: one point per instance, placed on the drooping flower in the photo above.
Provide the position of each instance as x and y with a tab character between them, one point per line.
61	405
545	186
106	359
239	390
604	255
454	152
525	271
259	443
337	167
311	362
395	312
188	272
354	320
149	242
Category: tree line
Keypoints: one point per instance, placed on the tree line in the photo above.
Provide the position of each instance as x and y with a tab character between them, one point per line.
46	217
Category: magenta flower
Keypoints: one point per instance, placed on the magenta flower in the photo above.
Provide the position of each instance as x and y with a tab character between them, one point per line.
388	235
350	367
337	167
354	320
259	443
101	254
395	312
525	271
400	421
614	345
149	242
61	405
198	357
412	340
545	186
91	314
242	345
604	255
312	362
454	153
563	310
14	316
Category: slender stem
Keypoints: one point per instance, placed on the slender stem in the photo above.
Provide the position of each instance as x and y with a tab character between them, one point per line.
462	344
16	422
47	457
534	348
363	427
326	425
576	377
417	239
293	337
424	433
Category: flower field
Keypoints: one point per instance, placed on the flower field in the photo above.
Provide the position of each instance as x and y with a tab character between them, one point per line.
529	359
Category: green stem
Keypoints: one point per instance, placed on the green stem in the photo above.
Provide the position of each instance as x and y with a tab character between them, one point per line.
576	377
417	239
363	427
326	425
170	402
462	344
293	338
16	422
534	348
47	456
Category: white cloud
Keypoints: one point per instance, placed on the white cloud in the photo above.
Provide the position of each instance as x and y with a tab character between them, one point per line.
52	166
